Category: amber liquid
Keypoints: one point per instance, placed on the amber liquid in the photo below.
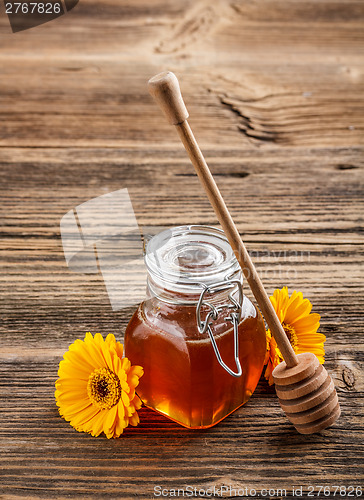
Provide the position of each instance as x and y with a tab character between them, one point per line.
182	377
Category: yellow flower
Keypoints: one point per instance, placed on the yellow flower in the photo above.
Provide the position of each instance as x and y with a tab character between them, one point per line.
300	326
95	391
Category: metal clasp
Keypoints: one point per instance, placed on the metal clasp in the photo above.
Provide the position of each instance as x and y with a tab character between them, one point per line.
235	316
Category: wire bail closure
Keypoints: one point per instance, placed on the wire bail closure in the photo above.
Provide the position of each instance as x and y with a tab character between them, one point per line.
235	306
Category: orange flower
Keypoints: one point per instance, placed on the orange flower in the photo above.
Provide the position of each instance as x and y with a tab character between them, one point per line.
300	326
95	391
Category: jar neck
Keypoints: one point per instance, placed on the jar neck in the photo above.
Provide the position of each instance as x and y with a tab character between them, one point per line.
176	293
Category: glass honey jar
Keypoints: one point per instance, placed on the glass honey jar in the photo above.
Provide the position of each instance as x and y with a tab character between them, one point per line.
200	341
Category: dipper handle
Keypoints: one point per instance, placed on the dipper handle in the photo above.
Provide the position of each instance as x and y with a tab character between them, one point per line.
166	91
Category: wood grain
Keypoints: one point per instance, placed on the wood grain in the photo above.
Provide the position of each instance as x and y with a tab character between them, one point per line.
275	94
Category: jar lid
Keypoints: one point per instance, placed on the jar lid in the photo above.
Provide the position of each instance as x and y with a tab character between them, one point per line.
187	257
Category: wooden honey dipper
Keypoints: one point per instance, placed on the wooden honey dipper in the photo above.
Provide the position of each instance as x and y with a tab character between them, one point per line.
305	390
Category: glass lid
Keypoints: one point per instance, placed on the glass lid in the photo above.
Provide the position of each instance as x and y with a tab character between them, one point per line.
190	256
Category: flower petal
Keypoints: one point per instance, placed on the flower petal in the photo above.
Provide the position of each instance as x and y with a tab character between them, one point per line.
110	422
68	370
134	374
126	365
307	322
125	398
119	428
297	309
82	420
97	423
134	419
70	410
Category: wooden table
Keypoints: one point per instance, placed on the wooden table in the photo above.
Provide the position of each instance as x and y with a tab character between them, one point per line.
275	93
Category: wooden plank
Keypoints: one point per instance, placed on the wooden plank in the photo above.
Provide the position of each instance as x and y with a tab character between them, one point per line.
297	83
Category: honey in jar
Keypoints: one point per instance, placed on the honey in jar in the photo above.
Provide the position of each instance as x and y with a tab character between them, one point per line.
194	300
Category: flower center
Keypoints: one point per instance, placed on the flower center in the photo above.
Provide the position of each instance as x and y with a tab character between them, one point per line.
103	388
291	334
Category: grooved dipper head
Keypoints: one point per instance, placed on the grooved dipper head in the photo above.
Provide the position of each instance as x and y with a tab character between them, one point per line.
307	394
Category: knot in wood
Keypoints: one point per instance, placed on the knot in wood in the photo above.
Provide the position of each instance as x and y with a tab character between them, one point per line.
348	377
